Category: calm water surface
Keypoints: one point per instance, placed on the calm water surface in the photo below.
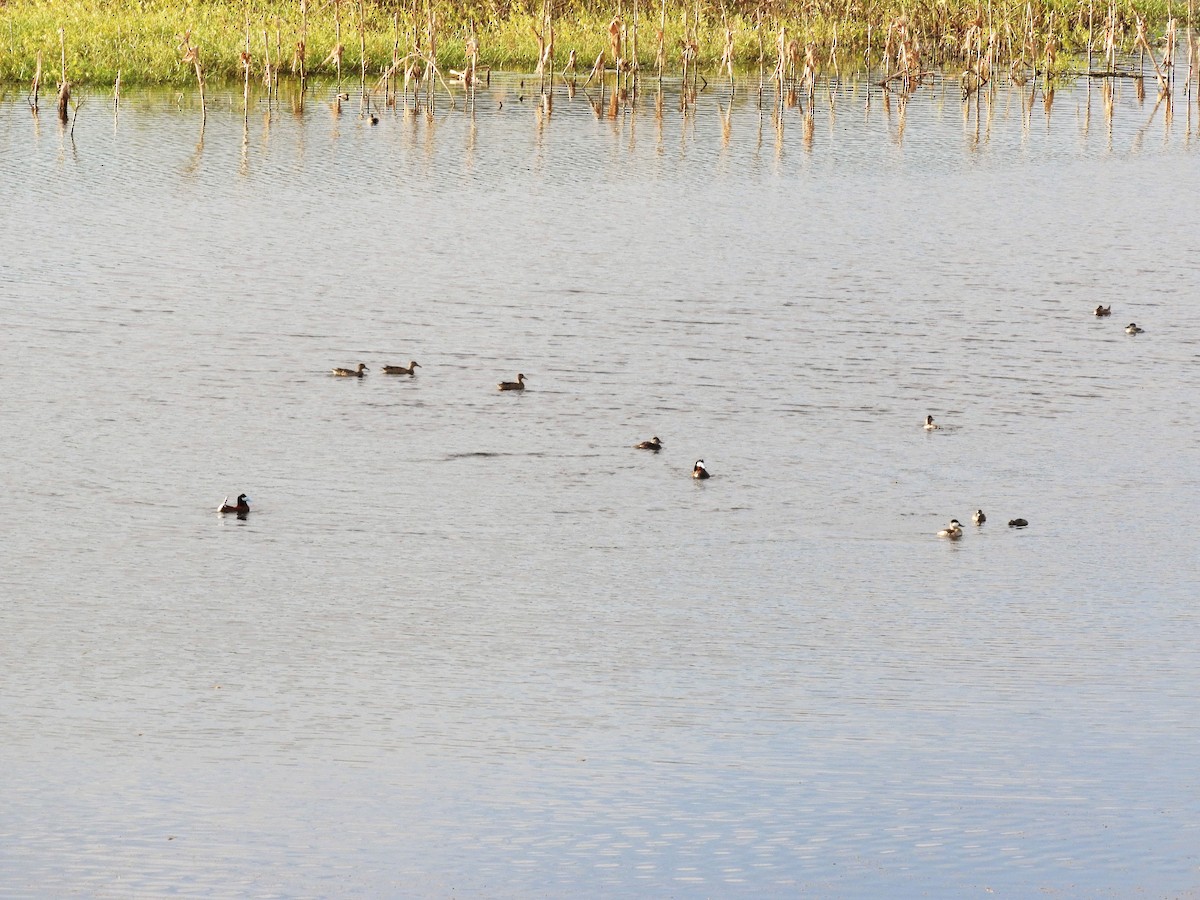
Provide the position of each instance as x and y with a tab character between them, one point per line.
472	643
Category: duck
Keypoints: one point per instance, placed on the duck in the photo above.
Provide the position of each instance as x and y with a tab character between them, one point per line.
653	444
698	470
411	369
518	385
350	373
929	426
1132	328
1017	523
1104	310
953	532
978	517
241	508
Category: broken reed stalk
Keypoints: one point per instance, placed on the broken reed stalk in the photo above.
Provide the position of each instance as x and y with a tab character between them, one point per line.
727	53
1091	24
335	55
684	59
64	87
1050	55
614	47
431	66
1141	40
1169	53
473	61
298	61
833	60
548	56
36	86
362	56
245	60
661	54
868	58
431	42
810	71
543	33
762	58
389	95
597	68
635	68
191	55
268	68
619	54
275	66
1110	39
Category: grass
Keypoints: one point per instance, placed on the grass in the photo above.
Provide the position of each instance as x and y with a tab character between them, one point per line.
144	39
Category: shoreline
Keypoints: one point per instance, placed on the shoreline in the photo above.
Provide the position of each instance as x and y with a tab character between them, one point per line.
153	43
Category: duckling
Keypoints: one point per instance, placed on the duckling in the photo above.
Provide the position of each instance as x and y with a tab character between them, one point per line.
978	517
242	507
653	444
953	532
1104	310
413	365
1017	523
698	470
350	373
929	426
518	385
1132	328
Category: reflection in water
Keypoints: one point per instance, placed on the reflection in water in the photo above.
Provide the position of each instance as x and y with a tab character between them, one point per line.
1107	89
192	166
980	109
1087	111
472	139
244	157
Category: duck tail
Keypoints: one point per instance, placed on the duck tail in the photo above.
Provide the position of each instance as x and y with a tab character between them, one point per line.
223	503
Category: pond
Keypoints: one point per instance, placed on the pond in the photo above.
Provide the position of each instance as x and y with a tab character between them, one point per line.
473	643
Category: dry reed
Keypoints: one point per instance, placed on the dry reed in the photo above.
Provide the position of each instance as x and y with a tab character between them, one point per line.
36	85
64	86
191	56
697	36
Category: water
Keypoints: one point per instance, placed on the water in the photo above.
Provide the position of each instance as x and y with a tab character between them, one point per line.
472	643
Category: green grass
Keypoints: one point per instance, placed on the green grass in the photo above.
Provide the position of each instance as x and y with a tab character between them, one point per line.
141	38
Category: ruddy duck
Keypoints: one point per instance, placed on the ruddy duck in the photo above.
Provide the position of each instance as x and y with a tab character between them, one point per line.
978	517
1104	310
929	426
518	385
401	370
242	507
698	470
1017	523
653	444
954	532
351	373
1132	328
